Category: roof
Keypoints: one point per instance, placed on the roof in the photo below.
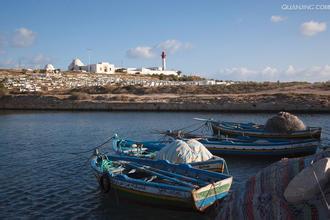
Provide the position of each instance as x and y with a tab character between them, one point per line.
49	67
77	62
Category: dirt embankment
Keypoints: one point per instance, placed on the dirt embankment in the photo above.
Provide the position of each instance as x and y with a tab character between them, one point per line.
233	103
253	97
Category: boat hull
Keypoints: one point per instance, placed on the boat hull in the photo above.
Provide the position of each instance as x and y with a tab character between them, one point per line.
257	131
164	194
288	149
148	195
247	147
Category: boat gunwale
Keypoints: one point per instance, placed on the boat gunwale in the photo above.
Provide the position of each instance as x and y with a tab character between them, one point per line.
266	134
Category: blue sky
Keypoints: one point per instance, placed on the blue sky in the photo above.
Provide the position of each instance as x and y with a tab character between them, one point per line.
239	40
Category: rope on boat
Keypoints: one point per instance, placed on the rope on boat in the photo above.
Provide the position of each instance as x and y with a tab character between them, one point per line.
184	129
318	183
207	194
190	126
225	166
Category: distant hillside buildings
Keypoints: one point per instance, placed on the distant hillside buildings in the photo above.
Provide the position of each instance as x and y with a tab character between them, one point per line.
49	68
102	67
107	68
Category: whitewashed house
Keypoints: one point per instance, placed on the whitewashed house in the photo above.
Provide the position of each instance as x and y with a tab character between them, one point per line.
49	68
102	67
151	71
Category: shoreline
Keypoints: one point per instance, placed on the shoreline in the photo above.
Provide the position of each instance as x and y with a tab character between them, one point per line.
302	103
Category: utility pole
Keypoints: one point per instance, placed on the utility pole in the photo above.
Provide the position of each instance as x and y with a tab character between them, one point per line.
89	59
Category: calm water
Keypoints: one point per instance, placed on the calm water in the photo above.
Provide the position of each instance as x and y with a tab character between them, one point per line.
40	178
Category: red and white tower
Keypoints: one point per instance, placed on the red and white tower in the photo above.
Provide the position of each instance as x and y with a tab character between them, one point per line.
163	60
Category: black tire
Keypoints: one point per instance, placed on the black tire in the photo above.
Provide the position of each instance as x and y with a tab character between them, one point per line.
105	183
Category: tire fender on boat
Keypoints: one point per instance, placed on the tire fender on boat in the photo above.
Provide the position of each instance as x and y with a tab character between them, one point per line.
105	183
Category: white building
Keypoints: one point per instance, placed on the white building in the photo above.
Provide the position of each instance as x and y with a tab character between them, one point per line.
154	70
49	68
102	67
151	71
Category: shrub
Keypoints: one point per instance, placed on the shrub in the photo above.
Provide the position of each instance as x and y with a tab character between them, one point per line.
78	96
3	90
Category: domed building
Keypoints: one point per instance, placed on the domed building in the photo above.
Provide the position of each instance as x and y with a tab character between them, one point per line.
77	65
100	67
49	68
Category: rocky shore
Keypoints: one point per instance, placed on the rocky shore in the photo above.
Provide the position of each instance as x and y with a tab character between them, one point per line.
318	103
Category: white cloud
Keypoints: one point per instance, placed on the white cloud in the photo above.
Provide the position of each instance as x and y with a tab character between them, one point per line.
311	74
239	71
23	37
140	52
277	18
173	45
40	59
291	70
36	61
147	52
270	71
312	28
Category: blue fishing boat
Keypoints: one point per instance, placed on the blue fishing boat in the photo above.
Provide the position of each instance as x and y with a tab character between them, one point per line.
261	147
148	150
258	131
240	146
159	182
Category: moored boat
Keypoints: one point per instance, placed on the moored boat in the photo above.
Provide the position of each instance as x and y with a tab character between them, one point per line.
159	181
148	149
258	131
231	146
261	147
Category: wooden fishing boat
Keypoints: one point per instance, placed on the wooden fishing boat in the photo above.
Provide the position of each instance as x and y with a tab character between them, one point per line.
159	182
261	147
148	149
234	146
258	131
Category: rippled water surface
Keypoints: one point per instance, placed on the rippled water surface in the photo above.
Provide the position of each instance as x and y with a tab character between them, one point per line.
41	174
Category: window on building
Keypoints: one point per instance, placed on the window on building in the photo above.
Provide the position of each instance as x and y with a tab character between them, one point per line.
105	69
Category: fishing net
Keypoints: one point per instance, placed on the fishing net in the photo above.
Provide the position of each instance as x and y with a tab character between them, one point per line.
284	122
262	196
184	152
